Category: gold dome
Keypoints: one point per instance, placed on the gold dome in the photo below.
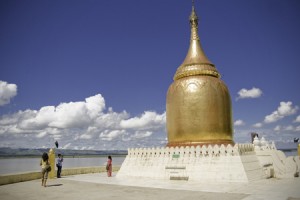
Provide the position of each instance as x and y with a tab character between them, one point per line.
198	103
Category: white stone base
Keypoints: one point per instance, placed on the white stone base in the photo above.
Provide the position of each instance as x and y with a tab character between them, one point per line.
274	162
237	163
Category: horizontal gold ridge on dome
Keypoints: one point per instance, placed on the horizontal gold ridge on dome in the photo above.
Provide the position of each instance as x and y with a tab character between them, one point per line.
194	69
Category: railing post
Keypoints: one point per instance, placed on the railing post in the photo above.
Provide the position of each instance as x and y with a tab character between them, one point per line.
52	163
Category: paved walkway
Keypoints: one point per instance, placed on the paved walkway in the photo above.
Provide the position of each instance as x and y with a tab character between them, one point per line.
98	186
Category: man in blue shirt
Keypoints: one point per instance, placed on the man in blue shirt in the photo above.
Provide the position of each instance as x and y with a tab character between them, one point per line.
59	164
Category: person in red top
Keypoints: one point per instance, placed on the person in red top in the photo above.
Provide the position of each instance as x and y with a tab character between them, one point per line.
109	166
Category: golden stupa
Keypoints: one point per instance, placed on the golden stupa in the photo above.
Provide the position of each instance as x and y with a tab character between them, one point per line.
198	103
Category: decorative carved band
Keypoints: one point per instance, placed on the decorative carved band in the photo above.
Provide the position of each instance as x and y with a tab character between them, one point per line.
204	69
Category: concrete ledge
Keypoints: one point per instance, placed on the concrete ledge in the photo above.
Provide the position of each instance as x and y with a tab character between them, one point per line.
15	178
28	176
86	170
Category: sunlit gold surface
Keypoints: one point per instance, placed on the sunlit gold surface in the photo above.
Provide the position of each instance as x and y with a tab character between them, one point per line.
198	102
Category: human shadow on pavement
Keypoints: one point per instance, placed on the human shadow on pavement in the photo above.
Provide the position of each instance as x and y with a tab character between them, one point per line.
54	185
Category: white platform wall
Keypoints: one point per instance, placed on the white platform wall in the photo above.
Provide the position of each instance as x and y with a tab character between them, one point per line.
238	163
207	163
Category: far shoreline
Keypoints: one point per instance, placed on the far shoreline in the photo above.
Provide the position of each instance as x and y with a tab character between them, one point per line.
65	156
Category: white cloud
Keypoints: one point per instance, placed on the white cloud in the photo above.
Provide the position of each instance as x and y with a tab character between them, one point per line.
86	136
70	115
252	93
67	146
257	125
81	124
41	134
110	135
277	128
7	92
65	115
284	109
148	119
90	133
289	128
95	105
285	129
57	137
297	119
110	120
38	119
142	134
239	122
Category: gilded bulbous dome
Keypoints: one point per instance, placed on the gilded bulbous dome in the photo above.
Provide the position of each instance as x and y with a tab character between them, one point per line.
198	103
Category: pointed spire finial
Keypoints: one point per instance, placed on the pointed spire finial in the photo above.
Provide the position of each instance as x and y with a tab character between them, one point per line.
195	62
194	24
193	6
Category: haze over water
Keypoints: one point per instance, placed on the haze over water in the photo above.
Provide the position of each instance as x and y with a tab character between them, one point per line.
20	165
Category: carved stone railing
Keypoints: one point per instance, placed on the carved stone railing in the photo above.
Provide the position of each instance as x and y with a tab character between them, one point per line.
191	151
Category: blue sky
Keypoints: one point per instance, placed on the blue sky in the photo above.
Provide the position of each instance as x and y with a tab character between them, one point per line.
94	74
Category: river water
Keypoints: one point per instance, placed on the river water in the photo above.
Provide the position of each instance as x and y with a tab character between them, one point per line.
19	165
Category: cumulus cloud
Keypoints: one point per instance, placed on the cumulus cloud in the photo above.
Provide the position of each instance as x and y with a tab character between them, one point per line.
297	120
148	119
83	124
258	125
41	134
252	93
86	136
67	146
7	92
110	135
277	128
239	122
65	115
142	134
288	128
284	109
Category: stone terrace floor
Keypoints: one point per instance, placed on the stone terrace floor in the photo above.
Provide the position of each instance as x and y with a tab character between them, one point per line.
98	186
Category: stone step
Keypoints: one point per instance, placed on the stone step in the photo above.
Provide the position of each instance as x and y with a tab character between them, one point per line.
179	178
175	167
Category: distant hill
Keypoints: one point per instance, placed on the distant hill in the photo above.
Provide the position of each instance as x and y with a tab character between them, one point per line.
10	152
